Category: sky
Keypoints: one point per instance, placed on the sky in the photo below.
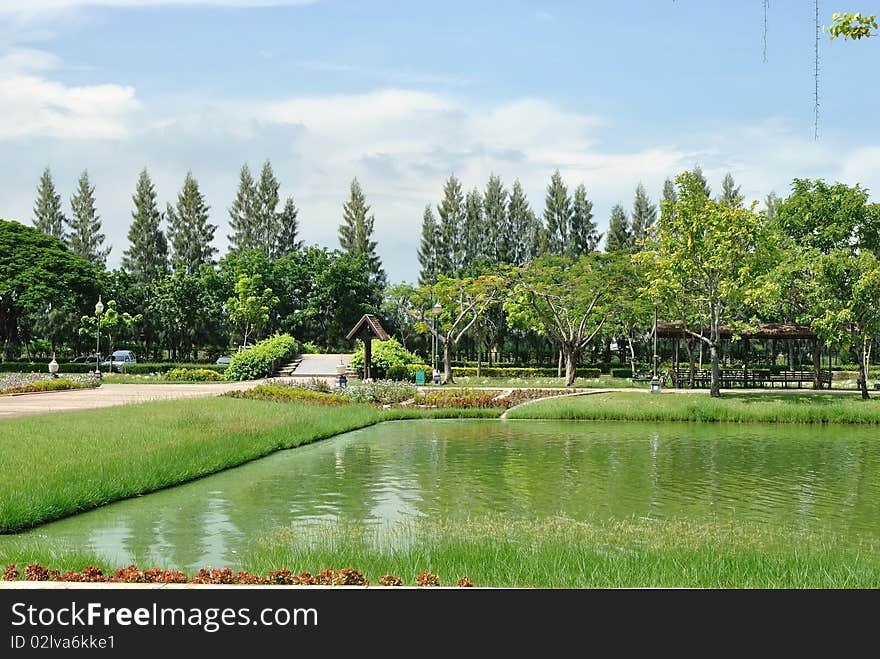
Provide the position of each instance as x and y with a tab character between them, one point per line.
403	94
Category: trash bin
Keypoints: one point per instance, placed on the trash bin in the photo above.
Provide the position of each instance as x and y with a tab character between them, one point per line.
420	377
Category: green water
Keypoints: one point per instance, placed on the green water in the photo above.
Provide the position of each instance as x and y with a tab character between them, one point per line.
801	477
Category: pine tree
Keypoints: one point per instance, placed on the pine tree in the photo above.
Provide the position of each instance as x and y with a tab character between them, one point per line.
670	196
706	188
619	234
48	216
147	254
428	249
85	238
498	242
288	230
522	225
474	241
644	214
730	192
770	204
557	215
582	234
242	214
356	232
189	231
452	214
265	209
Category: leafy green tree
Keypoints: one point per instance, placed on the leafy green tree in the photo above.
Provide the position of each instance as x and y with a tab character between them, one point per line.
251	305
356	233
619	234
398	312
428	265
644	215
557	215
111	323
730	192
85	237
583	237
451	211
670	195
564	299
704	184
633	313
48	216
266	209
852	26
37	272
189	230
243	213
712	256
288	230
147	254
463	301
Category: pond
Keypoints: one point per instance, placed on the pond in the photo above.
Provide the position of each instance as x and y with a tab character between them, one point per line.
801	477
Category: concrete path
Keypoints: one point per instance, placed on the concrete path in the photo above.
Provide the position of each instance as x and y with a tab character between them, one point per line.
110	394
320	365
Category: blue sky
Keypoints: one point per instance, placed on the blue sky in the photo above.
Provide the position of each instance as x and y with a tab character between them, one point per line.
401	94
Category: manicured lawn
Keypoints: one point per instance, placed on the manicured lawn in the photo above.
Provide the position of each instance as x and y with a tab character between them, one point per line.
764	407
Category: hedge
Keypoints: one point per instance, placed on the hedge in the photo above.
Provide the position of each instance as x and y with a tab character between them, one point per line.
147	368
521	372
43	367
259	361
193	375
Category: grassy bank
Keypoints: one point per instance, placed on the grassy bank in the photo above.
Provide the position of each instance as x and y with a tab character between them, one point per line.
562	553
739	408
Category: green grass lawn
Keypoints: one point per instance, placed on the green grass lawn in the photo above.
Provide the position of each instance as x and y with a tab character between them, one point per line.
764	407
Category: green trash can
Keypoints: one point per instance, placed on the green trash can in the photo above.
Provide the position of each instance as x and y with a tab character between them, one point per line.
420	377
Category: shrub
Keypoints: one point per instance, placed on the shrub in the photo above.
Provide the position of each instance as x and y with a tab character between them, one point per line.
621	372
412	368
150	368
193	375
384	355
43	367
285	394
310	348
259	360
398	372
380	391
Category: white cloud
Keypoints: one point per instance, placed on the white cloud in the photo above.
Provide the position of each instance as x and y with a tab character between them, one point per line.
15	6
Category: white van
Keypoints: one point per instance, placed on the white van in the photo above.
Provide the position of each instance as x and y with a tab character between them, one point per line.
120	359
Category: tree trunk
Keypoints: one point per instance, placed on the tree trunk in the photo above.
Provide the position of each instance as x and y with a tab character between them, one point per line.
447	364
559	365
570	364
863	369
632	354
701	355
715	389
817	365
480	358
689	347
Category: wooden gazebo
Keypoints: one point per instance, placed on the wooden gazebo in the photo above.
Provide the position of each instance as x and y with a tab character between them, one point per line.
367	329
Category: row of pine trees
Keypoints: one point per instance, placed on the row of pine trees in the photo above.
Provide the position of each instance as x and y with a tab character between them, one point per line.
468	232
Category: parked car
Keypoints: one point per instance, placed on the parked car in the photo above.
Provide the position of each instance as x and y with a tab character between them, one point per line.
224	360
84	359
120	359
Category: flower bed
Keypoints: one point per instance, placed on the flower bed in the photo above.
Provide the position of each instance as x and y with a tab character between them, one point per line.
287	393
282	577
24	383
461	398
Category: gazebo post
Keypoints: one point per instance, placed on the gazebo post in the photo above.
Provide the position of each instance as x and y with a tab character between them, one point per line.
745	361
817	364
368	349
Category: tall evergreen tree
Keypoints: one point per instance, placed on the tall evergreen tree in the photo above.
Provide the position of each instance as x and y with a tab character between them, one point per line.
48	216
242	214
498	242
557	215
474	241
356	232
189	230
85	238
523	226
147	254
265	209
770	205
670	196
730	192
428	269
288	230
582	234
644	214
619	234
707	190
452	215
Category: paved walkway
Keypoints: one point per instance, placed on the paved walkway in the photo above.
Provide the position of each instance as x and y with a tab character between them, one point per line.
110	394
320	365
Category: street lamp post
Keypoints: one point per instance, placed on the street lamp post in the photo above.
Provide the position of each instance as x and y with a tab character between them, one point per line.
436	309
99	309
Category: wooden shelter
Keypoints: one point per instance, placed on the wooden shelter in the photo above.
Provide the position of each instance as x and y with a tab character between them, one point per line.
367	329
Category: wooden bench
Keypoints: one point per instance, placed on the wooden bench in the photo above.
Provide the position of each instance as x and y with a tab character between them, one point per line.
755	379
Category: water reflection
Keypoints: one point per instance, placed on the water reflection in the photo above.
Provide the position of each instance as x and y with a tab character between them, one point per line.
809	478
